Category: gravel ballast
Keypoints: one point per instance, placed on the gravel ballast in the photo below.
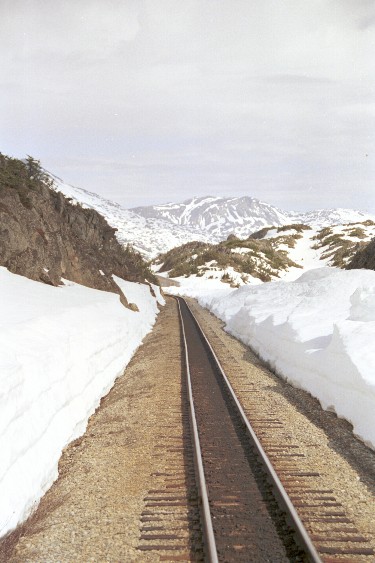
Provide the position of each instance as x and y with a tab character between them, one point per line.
95	509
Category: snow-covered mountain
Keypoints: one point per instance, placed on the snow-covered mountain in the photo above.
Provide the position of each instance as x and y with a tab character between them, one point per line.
155	229
221	216
218	216
327	217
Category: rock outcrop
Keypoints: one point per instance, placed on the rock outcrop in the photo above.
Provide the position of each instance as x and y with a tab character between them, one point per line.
45	237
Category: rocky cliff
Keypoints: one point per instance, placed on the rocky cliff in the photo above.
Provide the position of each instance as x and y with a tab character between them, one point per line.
46	237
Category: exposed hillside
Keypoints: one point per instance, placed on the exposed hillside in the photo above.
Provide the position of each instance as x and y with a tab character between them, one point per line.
340	243
272	253
234	261
333	246
45	237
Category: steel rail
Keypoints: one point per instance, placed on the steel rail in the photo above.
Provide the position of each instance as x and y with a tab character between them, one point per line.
297	525
209	535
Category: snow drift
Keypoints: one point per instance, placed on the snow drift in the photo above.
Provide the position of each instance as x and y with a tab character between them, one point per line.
318	332
61	348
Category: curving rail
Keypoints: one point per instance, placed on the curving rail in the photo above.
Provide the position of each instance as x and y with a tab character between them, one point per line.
279	492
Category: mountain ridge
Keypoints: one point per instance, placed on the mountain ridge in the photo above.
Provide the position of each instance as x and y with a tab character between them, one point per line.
242	216
156	229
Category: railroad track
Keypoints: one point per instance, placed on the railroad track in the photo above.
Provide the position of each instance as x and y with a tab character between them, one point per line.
246	514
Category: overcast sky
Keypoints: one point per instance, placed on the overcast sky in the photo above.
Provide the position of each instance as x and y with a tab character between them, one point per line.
158	100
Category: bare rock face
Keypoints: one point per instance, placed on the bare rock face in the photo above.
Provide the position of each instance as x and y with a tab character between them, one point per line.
44	237
364	258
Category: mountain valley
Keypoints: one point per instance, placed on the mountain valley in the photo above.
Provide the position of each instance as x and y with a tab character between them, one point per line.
156	229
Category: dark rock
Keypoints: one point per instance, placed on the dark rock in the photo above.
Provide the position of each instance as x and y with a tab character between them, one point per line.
45	237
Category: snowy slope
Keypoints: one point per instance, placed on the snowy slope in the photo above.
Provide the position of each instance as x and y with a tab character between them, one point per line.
304	255
317	332
325	217
317	247
274	253
148	236
218	216
61	348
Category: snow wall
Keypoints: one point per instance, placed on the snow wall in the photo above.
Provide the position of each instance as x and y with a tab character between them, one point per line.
61	349
317	332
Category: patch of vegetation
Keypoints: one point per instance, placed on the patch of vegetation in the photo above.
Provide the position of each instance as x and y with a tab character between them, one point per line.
333	240
226	278
137	266
23	176
340	255
288	240
357	232
323	233
365	257
337	248
180	254
262	260
261	233
299	227
232	236
261	257
367	223
249	243
283	239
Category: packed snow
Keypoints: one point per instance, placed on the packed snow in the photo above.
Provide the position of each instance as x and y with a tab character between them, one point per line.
317	332
305	255
61	349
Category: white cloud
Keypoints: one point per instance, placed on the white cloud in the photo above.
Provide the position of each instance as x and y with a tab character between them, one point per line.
265	97
86	28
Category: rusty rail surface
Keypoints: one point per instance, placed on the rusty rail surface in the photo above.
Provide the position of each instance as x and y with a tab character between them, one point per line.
240	550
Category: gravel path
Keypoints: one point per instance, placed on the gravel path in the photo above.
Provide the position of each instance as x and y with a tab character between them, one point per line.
93	511
345	465
97	509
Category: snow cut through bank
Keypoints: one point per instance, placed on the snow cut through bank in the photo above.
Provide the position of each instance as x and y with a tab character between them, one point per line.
318	332
61	348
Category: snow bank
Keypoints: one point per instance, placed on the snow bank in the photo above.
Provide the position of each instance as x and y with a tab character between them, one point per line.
318	332
60	351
